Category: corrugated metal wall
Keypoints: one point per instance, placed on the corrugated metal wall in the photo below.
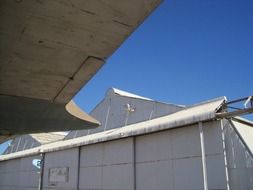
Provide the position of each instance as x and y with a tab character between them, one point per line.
159	161
107	166
112	112
172	159
239	159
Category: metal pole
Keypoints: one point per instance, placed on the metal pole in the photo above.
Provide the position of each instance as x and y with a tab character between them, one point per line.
134	163
41	172
203	155
225	154
78	168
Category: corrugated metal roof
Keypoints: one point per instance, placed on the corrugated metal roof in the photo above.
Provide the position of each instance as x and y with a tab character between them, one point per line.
28	141
201	112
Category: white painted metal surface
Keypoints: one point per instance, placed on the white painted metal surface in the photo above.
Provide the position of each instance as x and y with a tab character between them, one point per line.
203	155
61	159
239	156
201	112
168	159
150	155
246	132
120	108
19	174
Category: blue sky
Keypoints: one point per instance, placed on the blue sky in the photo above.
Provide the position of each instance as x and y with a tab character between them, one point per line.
186	52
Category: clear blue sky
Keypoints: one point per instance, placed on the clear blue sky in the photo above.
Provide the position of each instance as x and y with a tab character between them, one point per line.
187	51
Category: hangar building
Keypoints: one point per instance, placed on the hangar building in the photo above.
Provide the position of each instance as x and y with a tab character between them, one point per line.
142	145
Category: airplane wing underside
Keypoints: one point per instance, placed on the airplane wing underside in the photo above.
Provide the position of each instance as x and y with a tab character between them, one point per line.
49	50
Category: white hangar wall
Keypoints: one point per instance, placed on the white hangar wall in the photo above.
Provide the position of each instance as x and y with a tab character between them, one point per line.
19	174
163	160
61	159
107	165
172	159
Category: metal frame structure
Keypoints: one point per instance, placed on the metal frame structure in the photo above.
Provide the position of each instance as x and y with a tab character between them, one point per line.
237	107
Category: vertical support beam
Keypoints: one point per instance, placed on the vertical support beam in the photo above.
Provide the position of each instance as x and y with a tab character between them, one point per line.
203	155
78	168
41	173
225	154
134	163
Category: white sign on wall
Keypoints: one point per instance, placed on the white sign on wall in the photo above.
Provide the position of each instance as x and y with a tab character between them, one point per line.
37	163
58	174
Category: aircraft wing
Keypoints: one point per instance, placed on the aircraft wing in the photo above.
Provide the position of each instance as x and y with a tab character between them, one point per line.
49	50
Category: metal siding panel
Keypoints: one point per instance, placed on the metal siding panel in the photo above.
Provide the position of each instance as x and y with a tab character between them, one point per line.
240	161
66	158
102	163
153	147
9	188
2	175
186	142
246	133
249	180
237	179
238	153
3	166
161	109
154	175
11	176
28	179
13	165
91	155
216	175
213	137
188	174
91	178
142	111
117	177
118	152
27	176
26	164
